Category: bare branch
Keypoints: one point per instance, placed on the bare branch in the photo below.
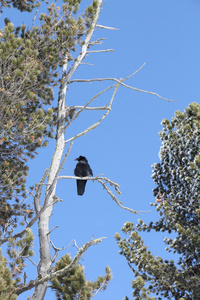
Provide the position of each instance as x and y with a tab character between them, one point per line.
140	68
147	92
101	286
33	23
103	181
97	123
106	27
56	199
109	78
38	193
57	250
53	229
86	105
123	84
86	63
105	107
60	249
82	250
98	42
98	51
31	261
75	244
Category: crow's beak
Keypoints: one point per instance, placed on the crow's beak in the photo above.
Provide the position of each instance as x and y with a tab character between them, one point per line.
76	158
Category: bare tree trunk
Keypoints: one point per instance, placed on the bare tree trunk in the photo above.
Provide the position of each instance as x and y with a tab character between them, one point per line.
45	256
44	239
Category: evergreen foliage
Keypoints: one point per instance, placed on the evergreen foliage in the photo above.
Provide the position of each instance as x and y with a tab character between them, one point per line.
22	5
6	281
73	285
17	251
177	179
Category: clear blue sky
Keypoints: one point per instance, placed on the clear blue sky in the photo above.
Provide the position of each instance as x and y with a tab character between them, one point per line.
165	35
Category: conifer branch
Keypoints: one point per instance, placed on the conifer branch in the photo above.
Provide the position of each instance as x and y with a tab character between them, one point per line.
100	288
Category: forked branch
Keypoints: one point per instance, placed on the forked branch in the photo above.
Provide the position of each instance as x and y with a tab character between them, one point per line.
98	122
121	82
104	181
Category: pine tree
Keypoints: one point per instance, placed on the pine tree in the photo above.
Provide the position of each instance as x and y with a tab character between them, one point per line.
177	179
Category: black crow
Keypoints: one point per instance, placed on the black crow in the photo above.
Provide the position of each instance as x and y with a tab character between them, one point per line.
82	170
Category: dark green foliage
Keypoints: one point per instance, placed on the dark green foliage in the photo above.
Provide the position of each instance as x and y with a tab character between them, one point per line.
6	281
73	285
23	121
177	179
17	251
90	12
22	5
11	273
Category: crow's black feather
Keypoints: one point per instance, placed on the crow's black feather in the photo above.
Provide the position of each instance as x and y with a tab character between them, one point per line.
82	170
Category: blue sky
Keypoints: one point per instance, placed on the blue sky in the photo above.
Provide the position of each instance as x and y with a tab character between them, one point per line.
165	35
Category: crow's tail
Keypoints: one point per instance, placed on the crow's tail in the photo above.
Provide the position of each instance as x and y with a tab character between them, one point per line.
81	187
